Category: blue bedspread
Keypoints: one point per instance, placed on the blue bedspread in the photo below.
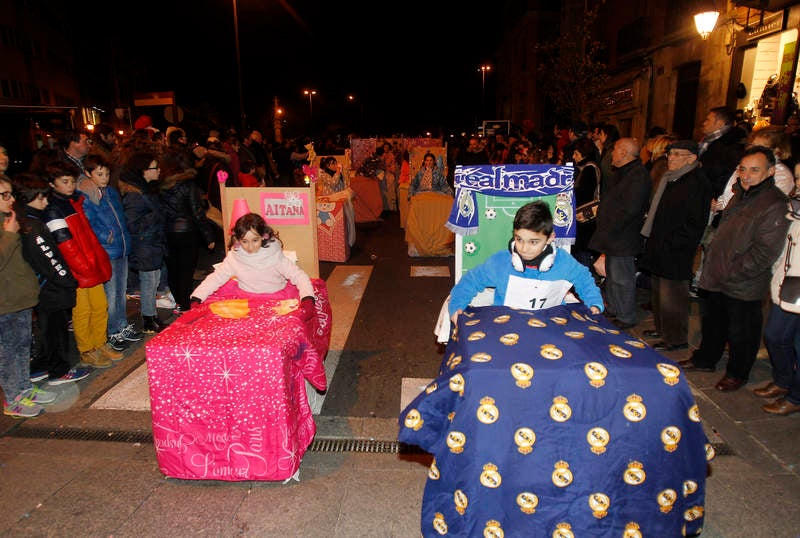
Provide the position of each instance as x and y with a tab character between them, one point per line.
554	423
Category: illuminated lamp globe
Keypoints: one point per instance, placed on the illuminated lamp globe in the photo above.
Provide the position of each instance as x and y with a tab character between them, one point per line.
705	23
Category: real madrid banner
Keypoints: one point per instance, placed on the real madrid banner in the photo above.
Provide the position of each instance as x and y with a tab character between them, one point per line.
487	198
531	181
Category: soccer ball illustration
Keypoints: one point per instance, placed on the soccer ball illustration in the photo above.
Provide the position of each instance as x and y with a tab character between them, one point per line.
470	247
490	213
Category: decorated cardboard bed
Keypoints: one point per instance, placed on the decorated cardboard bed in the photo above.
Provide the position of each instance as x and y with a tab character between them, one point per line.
228	385
425	231
555	423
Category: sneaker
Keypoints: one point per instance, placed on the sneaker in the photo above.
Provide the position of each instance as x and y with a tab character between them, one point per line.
117	342
39	376
22	408
76	373
39	396
130	333
178	310
94	359
165	301
111	353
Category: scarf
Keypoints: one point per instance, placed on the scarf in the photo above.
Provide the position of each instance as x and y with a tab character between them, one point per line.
668	177
711	137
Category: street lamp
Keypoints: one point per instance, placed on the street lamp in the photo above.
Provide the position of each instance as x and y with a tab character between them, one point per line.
483	69
238	64
310	94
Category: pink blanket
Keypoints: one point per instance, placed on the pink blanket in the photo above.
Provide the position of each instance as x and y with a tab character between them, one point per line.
228	396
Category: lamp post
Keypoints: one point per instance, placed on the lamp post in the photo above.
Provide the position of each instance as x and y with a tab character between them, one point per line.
239	65
310	94
483	69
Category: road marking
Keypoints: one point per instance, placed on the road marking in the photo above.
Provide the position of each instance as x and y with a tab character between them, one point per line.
430	270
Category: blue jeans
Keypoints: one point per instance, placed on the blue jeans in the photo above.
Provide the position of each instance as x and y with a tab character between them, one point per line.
148	286
620	287
781	335
15	353
115	293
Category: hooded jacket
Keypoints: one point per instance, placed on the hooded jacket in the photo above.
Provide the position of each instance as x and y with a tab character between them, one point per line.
85	256
56	284
103	207
183	206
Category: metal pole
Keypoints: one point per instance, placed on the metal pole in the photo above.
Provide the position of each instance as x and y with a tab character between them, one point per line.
239	66
483	89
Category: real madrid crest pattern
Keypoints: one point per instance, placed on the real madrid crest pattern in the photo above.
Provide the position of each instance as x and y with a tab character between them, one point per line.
554	423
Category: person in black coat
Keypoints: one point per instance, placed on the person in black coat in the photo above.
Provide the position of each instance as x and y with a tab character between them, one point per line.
57	285
586	189
674	226
187	226
619	223
145	217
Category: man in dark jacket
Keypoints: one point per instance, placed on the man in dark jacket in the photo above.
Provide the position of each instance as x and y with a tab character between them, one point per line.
721	147
738	269
619	222
719	152
675	223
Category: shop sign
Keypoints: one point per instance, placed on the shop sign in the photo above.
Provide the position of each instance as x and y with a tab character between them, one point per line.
773	23
619	97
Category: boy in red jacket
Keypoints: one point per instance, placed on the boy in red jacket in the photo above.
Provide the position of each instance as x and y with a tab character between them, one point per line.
87	260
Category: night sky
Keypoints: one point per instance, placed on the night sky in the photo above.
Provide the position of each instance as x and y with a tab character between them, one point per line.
413	66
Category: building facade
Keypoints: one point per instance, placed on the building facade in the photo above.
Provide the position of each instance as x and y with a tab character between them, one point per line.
661	71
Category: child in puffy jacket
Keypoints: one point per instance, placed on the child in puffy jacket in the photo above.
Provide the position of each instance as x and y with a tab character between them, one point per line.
88	261
57	286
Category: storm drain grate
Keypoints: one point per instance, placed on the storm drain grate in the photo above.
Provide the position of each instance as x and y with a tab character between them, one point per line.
318	445
363	445
80	434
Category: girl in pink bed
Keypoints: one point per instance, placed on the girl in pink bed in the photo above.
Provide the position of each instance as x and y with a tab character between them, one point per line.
256	260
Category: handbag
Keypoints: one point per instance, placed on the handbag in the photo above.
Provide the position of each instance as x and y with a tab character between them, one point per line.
587	212
790	287
790	290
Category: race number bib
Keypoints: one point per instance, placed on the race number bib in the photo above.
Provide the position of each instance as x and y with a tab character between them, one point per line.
532	294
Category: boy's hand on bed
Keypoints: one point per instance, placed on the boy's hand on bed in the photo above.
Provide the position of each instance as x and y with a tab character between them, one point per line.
594	310
194	301
454	317
307	308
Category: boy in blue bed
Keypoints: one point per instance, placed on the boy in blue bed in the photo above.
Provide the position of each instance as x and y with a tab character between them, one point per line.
534	275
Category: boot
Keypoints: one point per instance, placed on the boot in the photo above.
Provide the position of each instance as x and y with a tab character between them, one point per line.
152	324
